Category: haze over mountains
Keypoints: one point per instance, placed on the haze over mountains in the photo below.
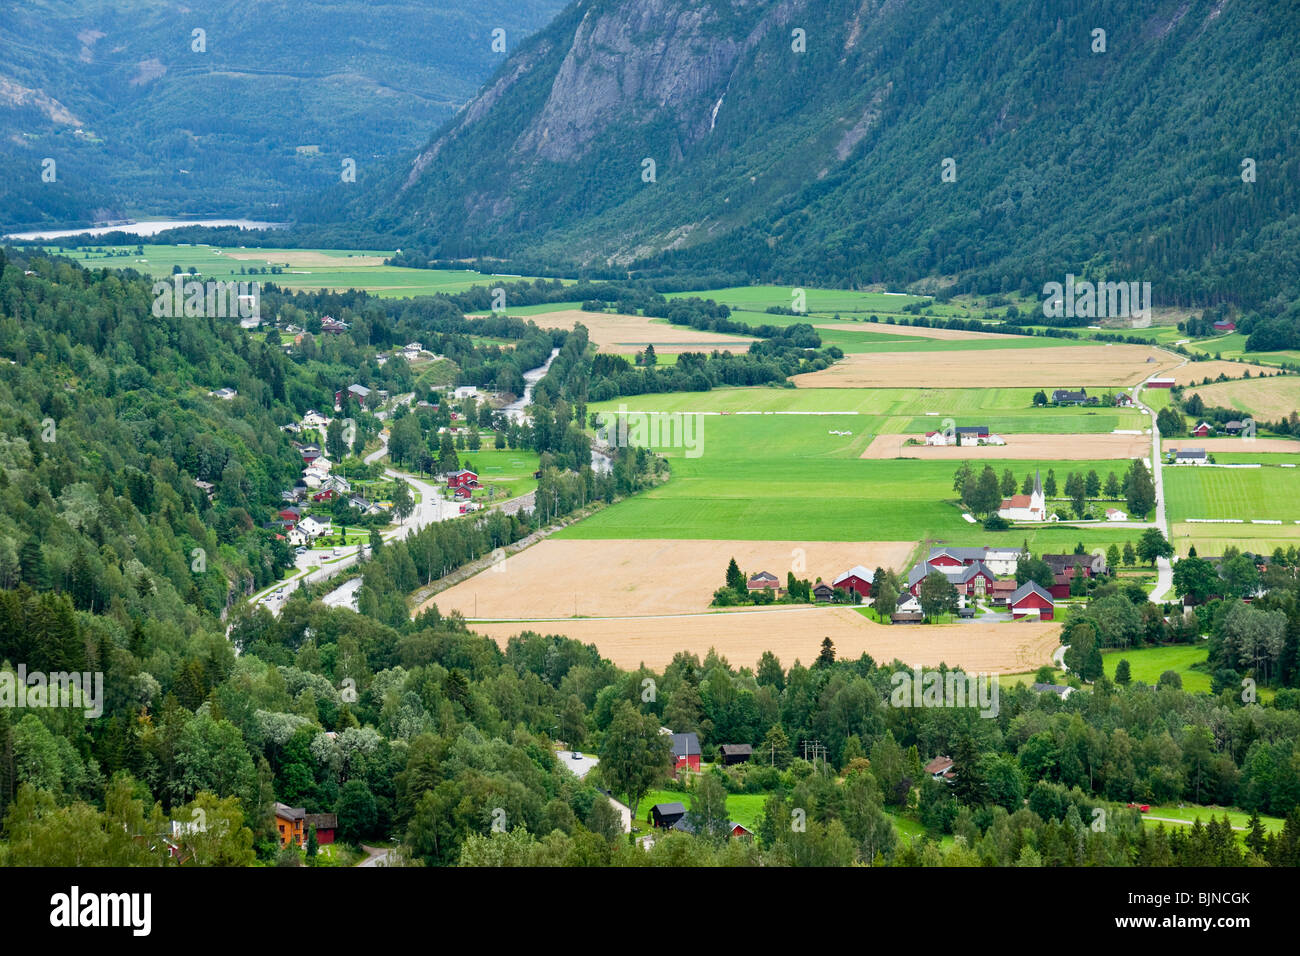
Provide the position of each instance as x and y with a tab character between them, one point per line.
140	122
826	165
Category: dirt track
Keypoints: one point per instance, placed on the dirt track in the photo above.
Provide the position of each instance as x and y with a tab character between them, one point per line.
1030	447
792	633
638	577
1059	367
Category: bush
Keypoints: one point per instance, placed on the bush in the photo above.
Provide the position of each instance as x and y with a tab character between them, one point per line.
995	522
1171	679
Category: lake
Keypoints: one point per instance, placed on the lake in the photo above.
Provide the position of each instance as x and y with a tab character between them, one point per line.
149	227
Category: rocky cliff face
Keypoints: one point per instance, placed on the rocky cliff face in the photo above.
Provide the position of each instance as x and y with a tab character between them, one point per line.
808	138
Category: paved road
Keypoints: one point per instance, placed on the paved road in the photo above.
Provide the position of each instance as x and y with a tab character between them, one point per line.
1164	568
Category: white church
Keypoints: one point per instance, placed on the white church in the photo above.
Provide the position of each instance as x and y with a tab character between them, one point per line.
1030	507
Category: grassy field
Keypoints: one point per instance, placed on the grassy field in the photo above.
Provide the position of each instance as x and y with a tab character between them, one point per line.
1233	346
1146	664
786	476
1190	813
1264	492
302	268
1269	399
508	470
744	808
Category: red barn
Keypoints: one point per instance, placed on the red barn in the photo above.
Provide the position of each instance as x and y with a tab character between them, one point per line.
1225	325
325	824
1030	600
1160	383
686	752
856	579
1202	430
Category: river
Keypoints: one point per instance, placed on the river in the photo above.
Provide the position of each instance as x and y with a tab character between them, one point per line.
149	227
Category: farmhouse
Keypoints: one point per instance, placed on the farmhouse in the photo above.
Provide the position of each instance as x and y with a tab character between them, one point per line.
1124	400
970	580
1066	563
940	767
907	604
735	753
856	579
1190	456
964	435
1066	396
462	480
1030	600
1030	507
686	752
1202	430
1234	427
998	560
764	581
289	824
313	527
1114	514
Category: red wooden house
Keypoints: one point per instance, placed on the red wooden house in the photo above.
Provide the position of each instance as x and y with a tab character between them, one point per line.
289	516
462	479
1225	325
1030	600
1202	430
325	495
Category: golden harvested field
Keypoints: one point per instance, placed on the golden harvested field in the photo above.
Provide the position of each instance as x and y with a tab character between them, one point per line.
1060	367
1242	445
615	578
796	633
916	331
1199	371
1267	400
632	333
1031	447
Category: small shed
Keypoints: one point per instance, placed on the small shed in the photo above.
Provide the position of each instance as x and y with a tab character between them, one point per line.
735	753
666	815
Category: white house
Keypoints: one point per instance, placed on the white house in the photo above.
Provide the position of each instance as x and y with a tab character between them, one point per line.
321	466
1190	456
465	391
297	539
314	419
1030	507
313	527
335	483
1114	514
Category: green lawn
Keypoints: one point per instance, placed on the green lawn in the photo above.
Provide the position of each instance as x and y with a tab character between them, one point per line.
1146	664
1190	813
743	808
508	470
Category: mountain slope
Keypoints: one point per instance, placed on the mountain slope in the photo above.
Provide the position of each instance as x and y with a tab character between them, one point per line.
137	119
826	165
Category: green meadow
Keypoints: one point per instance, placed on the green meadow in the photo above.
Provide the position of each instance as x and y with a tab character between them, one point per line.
766	477
1204	492
1233	346
342	272
1146	664
507	469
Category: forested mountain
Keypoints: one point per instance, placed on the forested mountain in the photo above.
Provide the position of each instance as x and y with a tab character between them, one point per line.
138	120
827	165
